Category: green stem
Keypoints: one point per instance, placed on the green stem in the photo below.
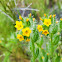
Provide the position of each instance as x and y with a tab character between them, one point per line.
51	48
33	52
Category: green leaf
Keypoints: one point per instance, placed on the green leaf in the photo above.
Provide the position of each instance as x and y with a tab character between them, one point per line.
57	59
7	54
56	39
55	29
40	59
60	24
46	58
36	53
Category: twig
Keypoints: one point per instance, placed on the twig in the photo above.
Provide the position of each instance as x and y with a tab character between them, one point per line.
6	15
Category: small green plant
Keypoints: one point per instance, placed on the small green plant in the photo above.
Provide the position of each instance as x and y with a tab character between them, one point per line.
45	39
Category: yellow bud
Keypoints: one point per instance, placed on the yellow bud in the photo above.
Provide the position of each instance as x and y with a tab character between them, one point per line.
33	19
20	17
42	57
54	15
45	15
47	54
27	40
61	19
27	19
50	16
30	15
40	18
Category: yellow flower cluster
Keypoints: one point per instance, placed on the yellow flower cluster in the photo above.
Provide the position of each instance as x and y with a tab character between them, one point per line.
40	28
25	31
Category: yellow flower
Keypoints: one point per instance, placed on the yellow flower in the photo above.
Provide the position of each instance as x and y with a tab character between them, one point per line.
42	57
30	14
61	19
45	15
26	31
27	19
19	25
54	15
50	16
33	19
20	37
40	18
20	17
0	41
27	40
47	22
40	28
45	32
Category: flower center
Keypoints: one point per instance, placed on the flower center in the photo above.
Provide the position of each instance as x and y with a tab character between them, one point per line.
20	37
40	28
47	23
45	32
26	31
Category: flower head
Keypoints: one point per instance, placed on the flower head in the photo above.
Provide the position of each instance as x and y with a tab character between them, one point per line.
19	25
27	19
27	40
54	15
30	14
40	18
33	19
50	16
47	54
20	37
45	32
42	57
45	15
26	31
20	17
61	19
47	22
40	28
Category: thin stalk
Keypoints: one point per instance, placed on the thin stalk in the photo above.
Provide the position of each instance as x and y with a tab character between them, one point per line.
33	51
51	49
